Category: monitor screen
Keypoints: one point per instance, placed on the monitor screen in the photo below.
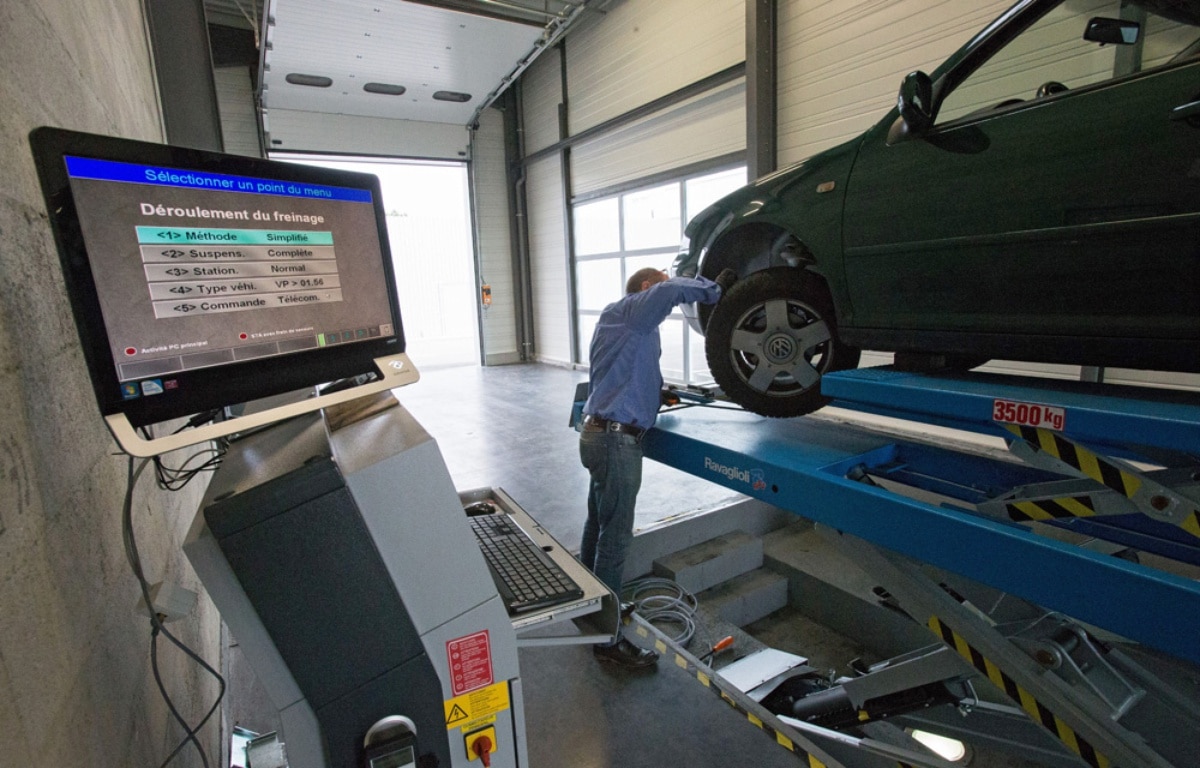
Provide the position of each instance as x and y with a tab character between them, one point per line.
201	280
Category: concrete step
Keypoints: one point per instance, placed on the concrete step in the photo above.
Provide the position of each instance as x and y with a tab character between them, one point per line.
712	562
746	598
834	592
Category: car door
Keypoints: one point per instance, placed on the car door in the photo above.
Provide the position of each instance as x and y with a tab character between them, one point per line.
1071	211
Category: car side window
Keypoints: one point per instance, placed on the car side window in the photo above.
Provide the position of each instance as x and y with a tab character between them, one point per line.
1053	56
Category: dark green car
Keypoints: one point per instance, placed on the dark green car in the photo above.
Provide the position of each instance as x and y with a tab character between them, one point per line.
1037	197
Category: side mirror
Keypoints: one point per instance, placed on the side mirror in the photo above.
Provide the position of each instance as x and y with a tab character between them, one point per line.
1112	31
916	102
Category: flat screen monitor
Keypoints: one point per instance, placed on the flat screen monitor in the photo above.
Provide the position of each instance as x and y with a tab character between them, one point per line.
201	280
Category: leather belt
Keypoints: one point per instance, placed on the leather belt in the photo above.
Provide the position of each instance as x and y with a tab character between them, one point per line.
608	425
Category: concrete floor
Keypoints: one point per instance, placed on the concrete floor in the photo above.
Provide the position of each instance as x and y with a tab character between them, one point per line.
507	427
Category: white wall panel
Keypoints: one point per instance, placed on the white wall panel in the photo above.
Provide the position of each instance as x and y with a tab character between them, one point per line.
352	135
548	257
840	64
639	50
705	127
239	116
493	239
541	92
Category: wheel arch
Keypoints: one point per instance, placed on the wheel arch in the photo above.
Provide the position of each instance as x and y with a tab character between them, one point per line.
771	246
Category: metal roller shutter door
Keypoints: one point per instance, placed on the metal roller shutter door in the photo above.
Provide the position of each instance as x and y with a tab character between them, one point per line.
709	126
239	118
547	241
541	93
639	51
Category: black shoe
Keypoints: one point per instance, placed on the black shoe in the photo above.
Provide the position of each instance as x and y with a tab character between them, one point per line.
625	654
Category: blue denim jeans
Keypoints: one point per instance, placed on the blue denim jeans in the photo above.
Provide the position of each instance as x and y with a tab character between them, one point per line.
615	463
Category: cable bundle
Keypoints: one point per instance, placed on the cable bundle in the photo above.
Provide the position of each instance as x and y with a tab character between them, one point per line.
662	601
157	628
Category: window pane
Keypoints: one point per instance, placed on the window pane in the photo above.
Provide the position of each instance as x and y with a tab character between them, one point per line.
1167	41
652	218
658	261
649	221
705	190
597	228
599	282
586	327
661	262
671	361
700	373
1053	49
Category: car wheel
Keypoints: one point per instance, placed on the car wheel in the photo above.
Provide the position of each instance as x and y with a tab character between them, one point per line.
770	340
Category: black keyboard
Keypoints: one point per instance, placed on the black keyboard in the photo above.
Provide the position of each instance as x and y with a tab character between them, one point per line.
525	576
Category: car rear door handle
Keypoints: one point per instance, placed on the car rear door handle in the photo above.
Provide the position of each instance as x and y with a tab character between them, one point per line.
1188	112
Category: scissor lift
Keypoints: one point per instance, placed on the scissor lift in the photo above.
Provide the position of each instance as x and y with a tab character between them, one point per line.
1057	580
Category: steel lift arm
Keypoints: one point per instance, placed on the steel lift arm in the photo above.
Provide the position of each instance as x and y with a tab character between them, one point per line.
1117	468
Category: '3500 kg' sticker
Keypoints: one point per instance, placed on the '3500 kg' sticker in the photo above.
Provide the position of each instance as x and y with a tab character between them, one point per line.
1029	414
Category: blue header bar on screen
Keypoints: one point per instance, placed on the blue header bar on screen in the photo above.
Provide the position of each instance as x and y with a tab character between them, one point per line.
134	173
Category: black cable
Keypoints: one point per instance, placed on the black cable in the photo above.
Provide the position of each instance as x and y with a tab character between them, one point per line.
135	564
162	690
716	405
177	478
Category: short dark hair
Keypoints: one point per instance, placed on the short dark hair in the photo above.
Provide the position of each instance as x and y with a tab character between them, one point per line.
634	284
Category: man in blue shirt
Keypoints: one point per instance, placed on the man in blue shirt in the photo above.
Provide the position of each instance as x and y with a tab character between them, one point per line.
624	394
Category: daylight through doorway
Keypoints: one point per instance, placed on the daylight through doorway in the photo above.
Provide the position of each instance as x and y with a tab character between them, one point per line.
429	229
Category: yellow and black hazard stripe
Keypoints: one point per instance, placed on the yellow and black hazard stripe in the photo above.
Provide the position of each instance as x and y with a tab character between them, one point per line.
707	681
701	674
1093	465
1051	509
1034	708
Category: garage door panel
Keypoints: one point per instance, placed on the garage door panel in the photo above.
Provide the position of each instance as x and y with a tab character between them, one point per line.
548	261
541	93
707	127
840	64
640	51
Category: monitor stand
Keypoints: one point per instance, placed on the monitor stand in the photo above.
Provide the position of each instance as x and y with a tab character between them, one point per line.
394	371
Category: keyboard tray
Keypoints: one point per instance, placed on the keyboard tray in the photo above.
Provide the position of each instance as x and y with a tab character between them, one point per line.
595	611
526	576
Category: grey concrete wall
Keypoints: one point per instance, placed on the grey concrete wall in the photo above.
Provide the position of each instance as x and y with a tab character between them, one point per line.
75	679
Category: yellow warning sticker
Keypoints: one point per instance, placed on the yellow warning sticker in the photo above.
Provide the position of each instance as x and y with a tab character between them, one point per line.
471	707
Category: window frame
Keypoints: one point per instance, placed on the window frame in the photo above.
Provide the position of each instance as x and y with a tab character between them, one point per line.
584	318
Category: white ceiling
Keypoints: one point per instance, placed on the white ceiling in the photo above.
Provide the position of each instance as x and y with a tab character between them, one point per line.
473	47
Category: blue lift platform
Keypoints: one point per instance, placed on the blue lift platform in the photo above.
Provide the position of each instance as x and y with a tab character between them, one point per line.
1065	556
1132	455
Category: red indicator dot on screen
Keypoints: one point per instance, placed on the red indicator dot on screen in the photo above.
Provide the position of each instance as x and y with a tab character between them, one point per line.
131	351
243	336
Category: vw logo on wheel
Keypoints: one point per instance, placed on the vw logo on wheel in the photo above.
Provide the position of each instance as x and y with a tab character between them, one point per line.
780	347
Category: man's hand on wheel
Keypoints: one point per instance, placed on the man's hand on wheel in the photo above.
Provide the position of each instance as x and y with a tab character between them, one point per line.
726	280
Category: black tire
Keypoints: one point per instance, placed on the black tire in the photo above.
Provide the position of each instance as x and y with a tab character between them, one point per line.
771	339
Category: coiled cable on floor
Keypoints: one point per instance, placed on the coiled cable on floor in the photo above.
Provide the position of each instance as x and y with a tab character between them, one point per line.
664	602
